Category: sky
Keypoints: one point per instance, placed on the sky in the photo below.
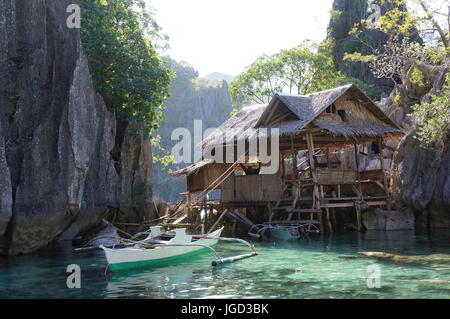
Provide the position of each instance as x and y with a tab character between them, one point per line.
227	35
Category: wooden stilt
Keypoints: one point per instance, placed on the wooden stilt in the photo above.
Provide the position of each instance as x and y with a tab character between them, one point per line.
294	157
330	227
316	196
358	215
385	181
327	153
333	217
357	169
233	228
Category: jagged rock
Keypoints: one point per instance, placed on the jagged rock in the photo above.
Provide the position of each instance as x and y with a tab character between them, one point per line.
388	220
421	182
5	193
56	136
345	14
136	195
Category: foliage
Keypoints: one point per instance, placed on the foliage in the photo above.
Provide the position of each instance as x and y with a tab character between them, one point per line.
300	70
162	156
390	62
433	119
419	79
418	35
127	71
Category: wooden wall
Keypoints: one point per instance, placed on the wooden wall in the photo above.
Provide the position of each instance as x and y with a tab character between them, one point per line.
252	188
205	176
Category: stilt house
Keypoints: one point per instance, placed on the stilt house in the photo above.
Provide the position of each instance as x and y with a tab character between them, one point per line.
324	140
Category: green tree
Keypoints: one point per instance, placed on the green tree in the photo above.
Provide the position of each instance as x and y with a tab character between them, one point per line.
126	69
300	70
433	119
417	50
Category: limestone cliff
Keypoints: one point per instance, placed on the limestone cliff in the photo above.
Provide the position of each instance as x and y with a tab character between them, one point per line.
57	175
420	178
192	98
344	15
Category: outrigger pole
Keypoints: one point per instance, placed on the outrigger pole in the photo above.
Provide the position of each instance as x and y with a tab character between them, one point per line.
221	260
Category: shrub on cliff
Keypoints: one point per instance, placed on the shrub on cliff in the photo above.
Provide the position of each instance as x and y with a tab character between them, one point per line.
126	69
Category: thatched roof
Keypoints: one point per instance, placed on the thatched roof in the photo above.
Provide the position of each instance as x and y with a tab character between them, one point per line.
191	169
305	109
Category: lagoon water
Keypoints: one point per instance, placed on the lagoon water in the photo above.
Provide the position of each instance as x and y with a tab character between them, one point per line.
327	267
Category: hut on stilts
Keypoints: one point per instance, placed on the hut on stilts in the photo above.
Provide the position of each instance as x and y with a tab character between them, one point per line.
331	154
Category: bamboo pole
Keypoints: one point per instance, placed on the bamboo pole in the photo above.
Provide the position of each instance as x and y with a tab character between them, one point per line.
294	157
218	221
358	215
312	165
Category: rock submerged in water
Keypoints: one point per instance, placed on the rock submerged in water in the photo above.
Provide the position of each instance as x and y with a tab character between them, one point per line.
423	260
388	220
105	234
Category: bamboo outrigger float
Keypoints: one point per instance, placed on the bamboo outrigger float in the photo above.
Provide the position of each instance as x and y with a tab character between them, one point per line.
153	252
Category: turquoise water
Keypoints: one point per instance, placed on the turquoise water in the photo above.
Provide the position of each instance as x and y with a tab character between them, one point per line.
328	267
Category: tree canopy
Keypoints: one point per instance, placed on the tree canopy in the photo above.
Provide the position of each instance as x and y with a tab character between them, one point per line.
299	70
127	71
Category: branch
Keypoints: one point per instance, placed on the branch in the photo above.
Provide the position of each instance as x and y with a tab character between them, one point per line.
441	32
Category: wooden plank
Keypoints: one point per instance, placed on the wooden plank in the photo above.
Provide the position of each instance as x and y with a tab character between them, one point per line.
306	210
330	199
336	205
218	221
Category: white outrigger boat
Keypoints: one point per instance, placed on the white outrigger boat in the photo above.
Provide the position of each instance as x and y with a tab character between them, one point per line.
155	252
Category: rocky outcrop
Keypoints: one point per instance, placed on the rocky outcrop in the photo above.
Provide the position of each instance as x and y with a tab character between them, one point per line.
388	220
420	177
432	260
344	15
104	234
135	181
57	175
5	194
421	183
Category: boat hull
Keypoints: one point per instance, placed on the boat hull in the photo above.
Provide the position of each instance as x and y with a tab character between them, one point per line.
127	258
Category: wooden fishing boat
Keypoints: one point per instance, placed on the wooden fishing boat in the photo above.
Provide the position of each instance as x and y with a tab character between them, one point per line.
157	253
